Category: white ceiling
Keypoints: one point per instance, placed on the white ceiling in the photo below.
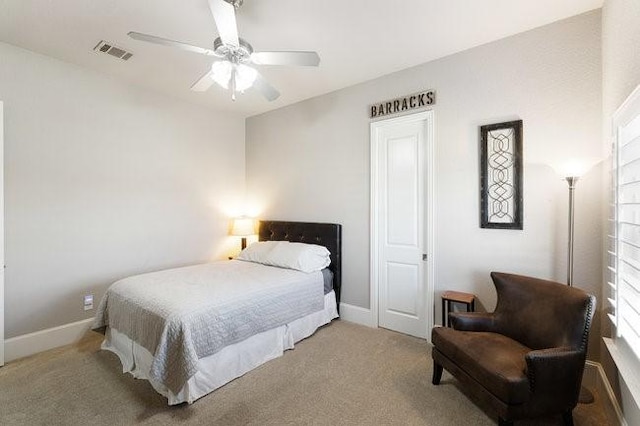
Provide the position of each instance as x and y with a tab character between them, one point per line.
358	40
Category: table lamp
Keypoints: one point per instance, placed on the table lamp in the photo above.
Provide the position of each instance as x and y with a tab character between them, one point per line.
243	227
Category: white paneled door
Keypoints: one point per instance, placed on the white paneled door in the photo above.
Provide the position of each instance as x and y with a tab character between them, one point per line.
1	236
401	238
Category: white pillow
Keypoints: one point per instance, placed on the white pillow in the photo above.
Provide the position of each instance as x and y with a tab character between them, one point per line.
300	256
257	252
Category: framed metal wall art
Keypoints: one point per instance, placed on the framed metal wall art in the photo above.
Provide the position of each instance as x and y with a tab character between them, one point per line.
501	175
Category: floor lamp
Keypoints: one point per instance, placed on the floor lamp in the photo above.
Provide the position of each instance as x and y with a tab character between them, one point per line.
586	397
571	180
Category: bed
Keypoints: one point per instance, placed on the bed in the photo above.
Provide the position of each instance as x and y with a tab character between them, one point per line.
189	331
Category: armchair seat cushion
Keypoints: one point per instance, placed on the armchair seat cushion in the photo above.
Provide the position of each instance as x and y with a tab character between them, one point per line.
492	359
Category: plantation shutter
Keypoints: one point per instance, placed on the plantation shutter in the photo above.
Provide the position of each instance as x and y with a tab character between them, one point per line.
624	234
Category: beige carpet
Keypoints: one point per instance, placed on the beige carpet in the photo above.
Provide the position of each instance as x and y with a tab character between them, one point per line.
343	375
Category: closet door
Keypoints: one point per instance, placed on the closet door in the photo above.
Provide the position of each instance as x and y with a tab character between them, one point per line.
400	216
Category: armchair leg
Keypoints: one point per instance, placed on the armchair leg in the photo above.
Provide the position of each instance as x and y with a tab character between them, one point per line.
567	418
437	373
503	422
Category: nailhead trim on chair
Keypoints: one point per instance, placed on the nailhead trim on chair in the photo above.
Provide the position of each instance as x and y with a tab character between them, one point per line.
531	377
585	334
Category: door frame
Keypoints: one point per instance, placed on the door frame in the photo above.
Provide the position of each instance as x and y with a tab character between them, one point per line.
428	118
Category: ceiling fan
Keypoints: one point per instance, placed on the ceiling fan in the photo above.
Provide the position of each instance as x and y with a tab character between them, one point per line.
232	69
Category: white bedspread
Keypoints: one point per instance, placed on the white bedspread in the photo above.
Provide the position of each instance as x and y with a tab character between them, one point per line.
181	315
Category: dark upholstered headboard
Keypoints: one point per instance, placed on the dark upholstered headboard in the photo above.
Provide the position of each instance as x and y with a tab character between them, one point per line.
324	234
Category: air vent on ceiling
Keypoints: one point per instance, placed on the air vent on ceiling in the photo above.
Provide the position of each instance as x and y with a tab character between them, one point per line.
109	48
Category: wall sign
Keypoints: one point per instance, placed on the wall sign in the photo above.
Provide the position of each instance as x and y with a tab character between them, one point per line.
405	103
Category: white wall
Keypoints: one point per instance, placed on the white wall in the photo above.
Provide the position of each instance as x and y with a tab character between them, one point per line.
621	75
311	160
104	180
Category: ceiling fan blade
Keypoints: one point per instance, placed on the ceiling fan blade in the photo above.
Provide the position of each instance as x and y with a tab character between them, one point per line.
203	82
267	90
310	59
172	43
225	16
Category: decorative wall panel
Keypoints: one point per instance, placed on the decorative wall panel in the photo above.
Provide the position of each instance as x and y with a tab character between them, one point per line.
501	175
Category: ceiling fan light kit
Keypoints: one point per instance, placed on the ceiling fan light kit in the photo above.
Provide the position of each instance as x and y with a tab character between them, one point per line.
232	69
243	76
231	72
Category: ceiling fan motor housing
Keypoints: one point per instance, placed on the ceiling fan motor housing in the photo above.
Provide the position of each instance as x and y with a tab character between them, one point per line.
240	54
235	3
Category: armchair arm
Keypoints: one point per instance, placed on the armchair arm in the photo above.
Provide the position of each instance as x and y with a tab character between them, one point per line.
555	375
473	321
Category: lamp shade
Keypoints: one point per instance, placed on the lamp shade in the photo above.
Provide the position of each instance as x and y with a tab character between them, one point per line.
575	167
243	226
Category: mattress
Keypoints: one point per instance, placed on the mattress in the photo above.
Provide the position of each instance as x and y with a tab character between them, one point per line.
227	364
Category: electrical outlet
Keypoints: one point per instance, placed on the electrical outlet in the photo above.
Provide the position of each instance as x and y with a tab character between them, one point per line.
88	302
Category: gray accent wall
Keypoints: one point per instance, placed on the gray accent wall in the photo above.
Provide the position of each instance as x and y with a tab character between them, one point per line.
105	180
310	161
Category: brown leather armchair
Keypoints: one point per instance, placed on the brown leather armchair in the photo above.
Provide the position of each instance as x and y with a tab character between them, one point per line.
526	358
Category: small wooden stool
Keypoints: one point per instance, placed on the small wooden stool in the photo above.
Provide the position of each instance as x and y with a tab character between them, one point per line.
449	297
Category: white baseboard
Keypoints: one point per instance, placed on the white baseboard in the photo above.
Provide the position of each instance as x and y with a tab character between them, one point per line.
32	343
609	401
357	315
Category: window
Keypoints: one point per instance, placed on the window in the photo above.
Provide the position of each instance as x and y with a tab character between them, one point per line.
624	230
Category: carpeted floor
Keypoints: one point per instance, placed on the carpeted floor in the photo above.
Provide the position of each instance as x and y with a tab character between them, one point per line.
345	374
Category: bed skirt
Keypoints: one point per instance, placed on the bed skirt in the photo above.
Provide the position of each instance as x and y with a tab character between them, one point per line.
227	364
